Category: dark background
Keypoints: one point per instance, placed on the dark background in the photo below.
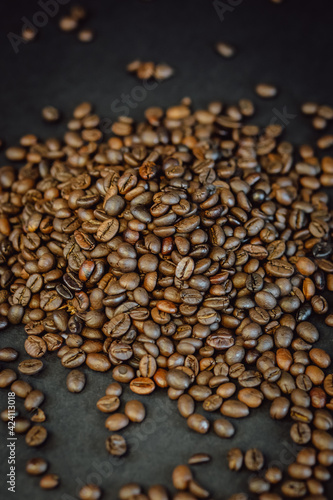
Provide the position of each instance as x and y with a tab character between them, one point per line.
289	45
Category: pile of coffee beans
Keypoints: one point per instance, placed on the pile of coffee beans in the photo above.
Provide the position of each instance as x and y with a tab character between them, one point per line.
147	70
187	252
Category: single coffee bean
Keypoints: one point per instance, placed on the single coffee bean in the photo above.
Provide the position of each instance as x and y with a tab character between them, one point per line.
116	422
199	458
234	409
279	408
116	445
36	436
114	389
223	428
30	366
300	433
235	459
21	425
142	385
181	476
21	388
36	466
90	492
135	411
108	404
75	381
49	482
33	400
254	459
8	354
186	405
198	423
266	90
7	377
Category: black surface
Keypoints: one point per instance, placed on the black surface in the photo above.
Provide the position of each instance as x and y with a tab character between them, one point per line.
289	45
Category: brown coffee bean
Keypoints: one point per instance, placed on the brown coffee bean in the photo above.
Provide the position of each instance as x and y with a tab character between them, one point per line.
279	408
116	422
7	377
98	362
322	440
49	482
36	436
30	366
35	346
108	404
186	405
33	400
36	466
75	381
135	411
21	388
21	425
8	354
294	489
114	389
235	459
116	445
234	409
223	428
300	433
198	423
266	90
181	476
199	458
254	459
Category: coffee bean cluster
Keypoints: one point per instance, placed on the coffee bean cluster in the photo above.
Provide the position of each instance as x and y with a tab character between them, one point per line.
187	252
30	425
73	22
147	70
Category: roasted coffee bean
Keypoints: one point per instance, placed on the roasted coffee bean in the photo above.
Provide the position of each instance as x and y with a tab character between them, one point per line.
8	354
75	381
49	481
116	422
294	489
198	423
186	405
35	346
254	459
21	388
266	90
73	358
199	458
36	436
223	428
234	409
116	445
108	404
30	366
7	377
98	362
135	411
235	459
36	466
279	408
33	400
21	425
178	379
90	492
300	433
114	389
